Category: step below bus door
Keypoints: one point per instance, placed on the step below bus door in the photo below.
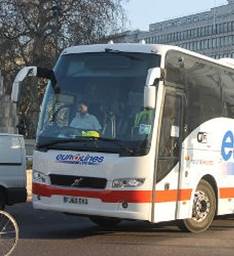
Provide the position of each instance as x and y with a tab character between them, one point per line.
167	166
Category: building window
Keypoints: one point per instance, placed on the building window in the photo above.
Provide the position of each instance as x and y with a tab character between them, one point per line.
206	30
232	26
167	37
226	41
214	42
201	31
222	41
210	30
202	44
189	33
194	33
219	28
210	43
229	26
190	46
225	27
215	29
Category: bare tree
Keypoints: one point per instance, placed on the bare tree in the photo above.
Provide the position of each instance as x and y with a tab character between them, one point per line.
33	32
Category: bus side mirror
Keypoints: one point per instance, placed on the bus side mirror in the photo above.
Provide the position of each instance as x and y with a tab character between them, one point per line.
149	97
31	71
24	72
154	74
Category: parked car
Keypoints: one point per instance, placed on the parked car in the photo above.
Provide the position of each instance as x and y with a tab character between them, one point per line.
12	170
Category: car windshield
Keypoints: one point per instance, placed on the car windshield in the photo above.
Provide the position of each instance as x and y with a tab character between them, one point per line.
101	96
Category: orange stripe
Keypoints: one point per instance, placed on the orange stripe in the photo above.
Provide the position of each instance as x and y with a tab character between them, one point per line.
173	195
113	196
110	196
226	192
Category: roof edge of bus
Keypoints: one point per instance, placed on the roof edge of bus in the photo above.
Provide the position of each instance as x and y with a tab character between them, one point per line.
128	47
160	49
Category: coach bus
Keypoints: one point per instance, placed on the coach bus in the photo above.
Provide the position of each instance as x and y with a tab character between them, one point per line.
163	149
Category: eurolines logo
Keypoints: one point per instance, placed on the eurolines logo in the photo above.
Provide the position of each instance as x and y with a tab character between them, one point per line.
228	146
79	159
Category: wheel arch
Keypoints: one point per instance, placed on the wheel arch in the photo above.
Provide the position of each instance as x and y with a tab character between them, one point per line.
188	224
212	181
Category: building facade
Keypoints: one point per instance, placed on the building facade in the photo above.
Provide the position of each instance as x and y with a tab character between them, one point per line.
210	33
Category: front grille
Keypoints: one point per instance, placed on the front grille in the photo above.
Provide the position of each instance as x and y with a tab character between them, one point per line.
78	181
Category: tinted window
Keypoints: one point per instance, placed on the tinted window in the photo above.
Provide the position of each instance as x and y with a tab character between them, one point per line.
201	82
227	79
169	136
111	87
203	92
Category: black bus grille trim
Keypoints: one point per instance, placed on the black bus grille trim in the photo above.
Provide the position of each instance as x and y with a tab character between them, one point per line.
78	181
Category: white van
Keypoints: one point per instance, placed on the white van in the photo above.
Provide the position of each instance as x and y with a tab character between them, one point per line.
12	169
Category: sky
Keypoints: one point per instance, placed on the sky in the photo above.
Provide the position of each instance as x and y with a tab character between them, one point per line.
141	13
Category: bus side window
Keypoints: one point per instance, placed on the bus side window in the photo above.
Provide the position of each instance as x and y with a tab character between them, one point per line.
170	122
227	80
169	136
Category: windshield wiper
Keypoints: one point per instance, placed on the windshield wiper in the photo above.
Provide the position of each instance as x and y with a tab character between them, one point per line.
122	53
117	142
62	141
86	139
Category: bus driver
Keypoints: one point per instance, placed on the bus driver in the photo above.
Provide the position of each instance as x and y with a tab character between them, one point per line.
84	120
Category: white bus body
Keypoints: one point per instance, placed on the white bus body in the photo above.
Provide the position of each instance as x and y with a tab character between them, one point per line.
183	167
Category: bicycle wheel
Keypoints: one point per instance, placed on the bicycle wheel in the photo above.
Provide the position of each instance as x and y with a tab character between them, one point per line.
9	233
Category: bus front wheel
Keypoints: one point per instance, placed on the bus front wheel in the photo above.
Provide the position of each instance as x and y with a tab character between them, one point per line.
105	222
204	209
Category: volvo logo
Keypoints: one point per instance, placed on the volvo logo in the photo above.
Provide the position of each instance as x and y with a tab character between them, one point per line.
76	182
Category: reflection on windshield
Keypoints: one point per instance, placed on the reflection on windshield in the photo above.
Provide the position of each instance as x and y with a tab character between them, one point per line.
101	96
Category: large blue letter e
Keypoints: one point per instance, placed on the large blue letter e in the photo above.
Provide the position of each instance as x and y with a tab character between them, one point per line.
227	145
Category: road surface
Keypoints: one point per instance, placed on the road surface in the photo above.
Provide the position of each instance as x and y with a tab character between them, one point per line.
50	233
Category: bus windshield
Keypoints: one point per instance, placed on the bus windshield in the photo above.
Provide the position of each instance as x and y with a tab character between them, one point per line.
100	104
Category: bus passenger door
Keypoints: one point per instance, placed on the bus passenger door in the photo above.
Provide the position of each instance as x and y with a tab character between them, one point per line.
167	171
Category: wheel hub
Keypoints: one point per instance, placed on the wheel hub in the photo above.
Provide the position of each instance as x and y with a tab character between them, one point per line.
201	206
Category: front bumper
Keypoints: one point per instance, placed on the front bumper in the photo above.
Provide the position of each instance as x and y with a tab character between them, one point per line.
100	202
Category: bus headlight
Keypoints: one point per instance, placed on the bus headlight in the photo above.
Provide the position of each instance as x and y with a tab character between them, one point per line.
40	177
128	182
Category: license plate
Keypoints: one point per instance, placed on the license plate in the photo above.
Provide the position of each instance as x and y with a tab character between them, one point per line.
75	200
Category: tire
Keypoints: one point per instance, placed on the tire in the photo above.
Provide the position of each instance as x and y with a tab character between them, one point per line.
2	200
204	209
9	231
105	222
